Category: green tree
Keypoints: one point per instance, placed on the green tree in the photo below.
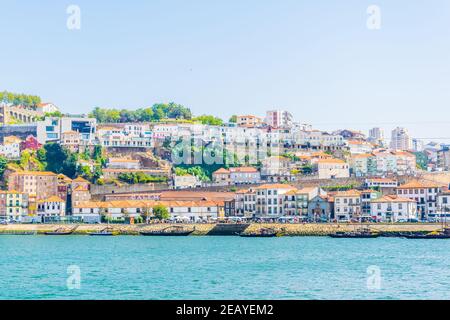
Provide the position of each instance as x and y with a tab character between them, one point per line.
3	164
160	212
210	120
60	160
233	119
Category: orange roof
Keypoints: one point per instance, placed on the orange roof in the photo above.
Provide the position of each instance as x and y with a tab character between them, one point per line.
363	155
331	161
348	193
416	184
147	203
221	171
392	198
276	186
81	188
244	169
11	139
53	199
80	179
34	173
381	180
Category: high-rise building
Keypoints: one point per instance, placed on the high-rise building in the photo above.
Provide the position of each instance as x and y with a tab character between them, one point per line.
376	134
278	119
400	139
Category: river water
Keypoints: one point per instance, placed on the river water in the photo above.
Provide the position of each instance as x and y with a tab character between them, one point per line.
133	267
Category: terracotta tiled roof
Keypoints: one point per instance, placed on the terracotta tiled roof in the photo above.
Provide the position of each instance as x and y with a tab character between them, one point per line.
331	161
348	193
35	173
244	169
391	198
276	186
420	184
80	179
221	171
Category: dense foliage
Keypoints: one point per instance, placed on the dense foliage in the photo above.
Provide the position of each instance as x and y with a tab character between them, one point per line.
210	120
58	159
161	212
20	99
157	112
140	177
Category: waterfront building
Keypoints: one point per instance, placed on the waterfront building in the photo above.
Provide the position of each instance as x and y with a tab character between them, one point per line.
64	184
367	196
392	208
80	191
245	203
347	205
443	202
42	184
424	193
296	201
183	210
53	207
321	208
13	205
270	199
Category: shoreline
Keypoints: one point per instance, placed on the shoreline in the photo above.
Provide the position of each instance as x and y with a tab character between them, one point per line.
309	229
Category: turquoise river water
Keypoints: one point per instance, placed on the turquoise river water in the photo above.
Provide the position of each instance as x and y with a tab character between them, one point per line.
132	267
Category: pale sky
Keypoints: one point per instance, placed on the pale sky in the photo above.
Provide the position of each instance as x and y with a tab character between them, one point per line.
316	59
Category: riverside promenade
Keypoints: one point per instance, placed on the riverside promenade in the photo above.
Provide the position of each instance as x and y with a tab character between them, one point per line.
308	229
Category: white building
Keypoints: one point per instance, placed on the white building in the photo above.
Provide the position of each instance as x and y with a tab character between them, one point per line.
400	139
376	134
278	119
10	148
186	182
51	207
47	107
393	209
123	163
51	128
125	136
269	199
186	210
424	193
347	205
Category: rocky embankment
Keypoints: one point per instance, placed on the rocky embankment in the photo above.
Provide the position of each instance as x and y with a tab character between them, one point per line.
204	229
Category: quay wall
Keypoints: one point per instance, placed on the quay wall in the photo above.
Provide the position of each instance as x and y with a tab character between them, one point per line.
205	229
